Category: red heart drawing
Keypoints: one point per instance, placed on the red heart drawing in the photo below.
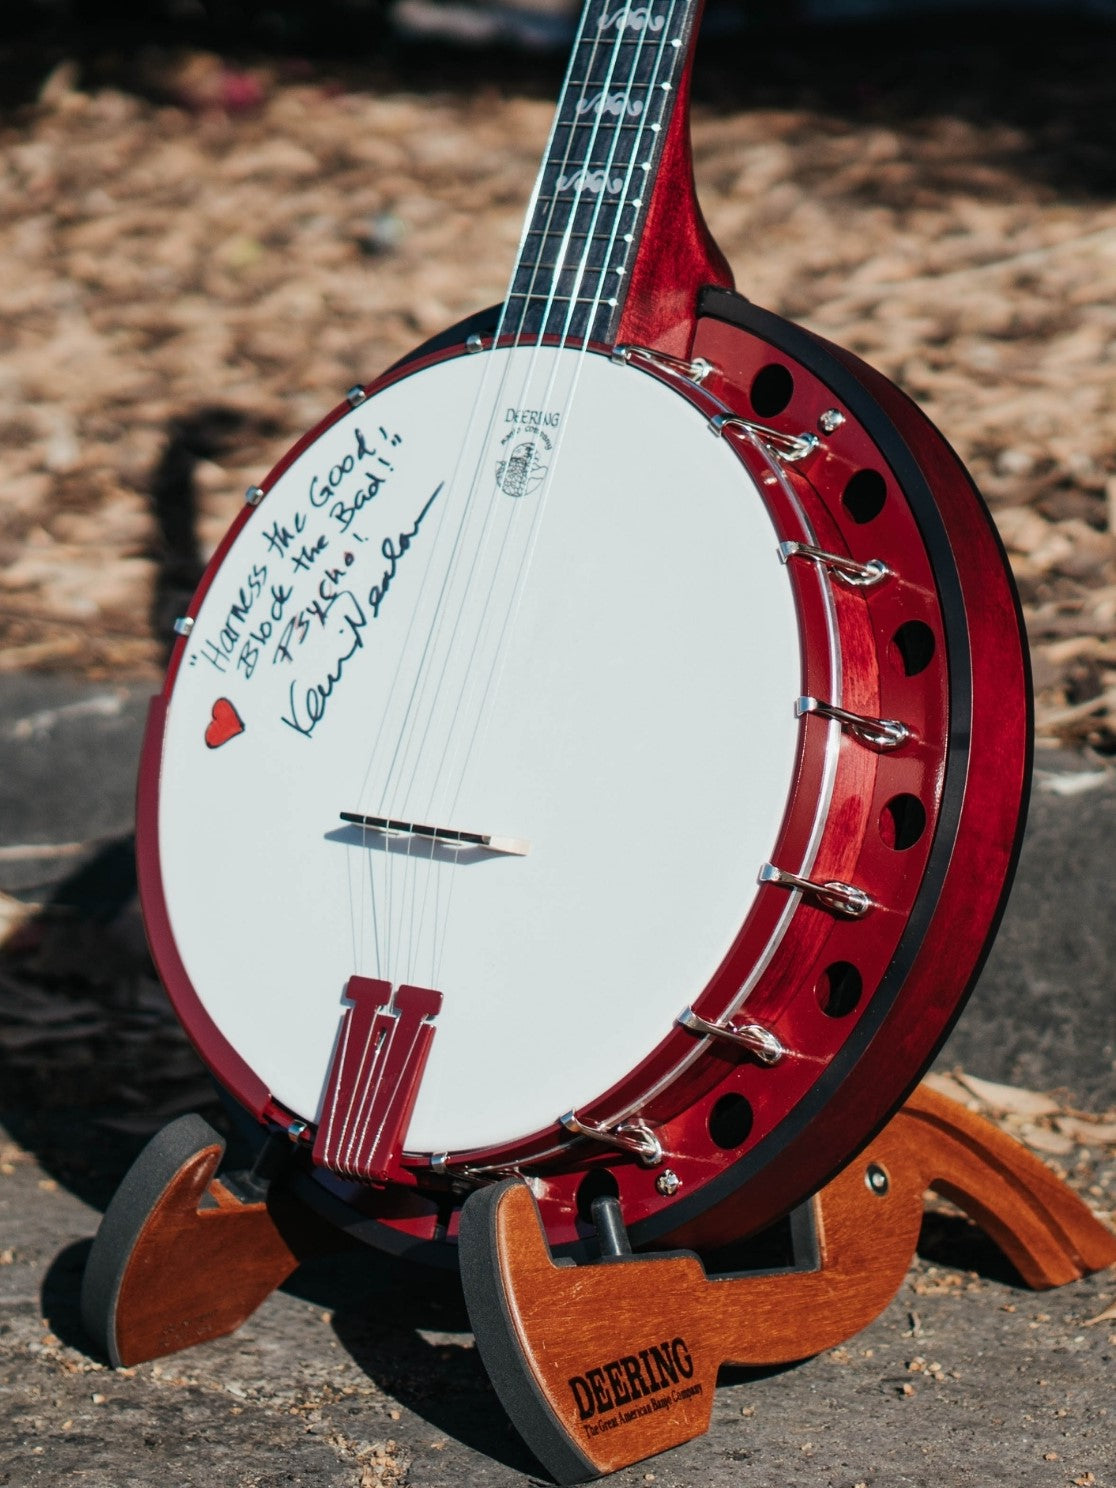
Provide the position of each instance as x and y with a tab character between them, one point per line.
224	724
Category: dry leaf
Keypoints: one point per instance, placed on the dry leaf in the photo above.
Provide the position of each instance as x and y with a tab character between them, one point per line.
1042	1139
950	1086
14	913
1012	1099
1088	1131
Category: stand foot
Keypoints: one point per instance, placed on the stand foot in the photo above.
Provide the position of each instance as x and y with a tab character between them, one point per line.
602	1365
179	1258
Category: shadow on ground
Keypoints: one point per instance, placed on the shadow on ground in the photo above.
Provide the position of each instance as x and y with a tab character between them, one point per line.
92	1058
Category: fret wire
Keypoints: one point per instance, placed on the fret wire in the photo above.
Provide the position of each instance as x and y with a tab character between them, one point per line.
609	257
537	301
586	320
561	176
591	83
628	129
597	237
563	272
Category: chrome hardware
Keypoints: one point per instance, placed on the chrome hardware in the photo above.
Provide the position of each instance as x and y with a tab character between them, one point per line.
880	733
475	1174
831	420
668	1183
184	625
254	495
787	447
474	343
297	1130
859	575
842	898
696	370
629	1136
355	396
751	1036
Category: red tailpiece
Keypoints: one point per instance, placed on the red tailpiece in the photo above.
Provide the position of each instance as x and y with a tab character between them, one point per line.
374	1078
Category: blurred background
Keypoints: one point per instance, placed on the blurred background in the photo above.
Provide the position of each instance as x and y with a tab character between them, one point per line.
216	215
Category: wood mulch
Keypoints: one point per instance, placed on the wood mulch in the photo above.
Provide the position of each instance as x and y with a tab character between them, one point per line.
198	254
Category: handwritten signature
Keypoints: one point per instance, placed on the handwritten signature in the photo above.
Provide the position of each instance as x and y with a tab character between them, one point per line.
308	702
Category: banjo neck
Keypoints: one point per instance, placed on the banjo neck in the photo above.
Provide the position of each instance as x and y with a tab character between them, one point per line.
614	247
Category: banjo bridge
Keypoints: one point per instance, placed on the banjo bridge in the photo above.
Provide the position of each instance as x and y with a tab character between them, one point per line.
390	826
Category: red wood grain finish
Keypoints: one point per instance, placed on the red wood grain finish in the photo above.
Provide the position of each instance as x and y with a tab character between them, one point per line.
677	255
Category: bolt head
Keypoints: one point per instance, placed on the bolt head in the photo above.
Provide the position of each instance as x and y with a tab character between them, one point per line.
668	1183
876	1178
831	420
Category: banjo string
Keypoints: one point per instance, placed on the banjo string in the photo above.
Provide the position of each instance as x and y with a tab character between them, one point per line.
481	714
383	953
412	730
412	723
518	338
441	608
368	877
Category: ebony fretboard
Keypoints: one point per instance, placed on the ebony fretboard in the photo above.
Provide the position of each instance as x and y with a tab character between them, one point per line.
583	226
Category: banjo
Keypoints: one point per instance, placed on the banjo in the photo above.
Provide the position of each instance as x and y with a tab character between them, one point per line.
597	750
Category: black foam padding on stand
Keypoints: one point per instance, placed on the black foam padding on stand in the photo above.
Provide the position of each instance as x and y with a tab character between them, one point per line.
498	1343
144	1184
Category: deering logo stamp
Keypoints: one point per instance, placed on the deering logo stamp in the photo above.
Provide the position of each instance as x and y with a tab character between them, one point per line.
634	1385
523	469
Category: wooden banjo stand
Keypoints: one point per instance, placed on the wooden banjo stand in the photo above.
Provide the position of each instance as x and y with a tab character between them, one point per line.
604	1363
884	827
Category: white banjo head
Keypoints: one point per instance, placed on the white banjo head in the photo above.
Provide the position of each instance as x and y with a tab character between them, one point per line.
525	596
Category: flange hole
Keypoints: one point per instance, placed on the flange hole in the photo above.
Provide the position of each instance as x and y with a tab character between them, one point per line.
730	1121
902	822
864	495
598	1183
913	646
839	989
772	389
